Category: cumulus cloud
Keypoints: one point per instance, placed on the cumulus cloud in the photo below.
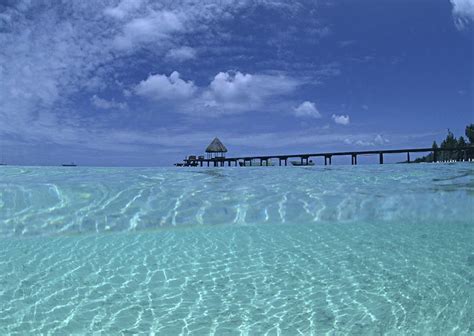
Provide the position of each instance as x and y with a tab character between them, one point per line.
236	92
227	93
162	87
229	86
463	12
107	104
181	54
341	119
307	109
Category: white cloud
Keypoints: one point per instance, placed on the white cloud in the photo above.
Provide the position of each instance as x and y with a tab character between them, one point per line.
307	109
227	93
107	104
228	86
236	92
157	26
181	54
162	87
341	119
463	12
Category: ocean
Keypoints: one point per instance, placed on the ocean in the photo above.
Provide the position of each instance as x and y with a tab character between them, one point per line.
336	250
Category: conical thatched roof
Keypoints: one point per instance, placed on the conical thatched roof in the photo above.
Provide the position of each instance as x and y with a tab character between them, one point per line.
216	146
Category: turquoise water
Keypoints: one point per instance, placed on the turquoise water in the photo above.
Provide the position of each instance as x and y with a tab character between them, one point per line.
359	250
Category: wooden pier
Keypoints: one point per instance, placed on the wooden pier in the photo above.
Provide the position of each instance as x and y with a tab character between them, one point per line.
304	158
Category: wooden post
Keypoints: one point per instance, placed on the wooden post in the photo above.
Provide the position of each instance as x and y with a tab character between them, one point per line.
301	160
354	159
408	157
381	158
330	160
325	160
435	156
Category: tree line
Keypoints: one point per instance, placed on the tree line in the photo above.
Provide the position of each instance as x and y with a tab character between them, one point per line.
451	142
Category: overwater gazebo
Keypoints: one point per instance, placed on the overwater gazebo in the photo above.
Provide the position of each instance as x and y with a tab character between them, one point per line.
216	149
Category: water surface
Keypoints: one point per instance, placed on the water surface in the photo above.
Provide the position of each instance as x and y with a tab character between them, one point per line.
360	250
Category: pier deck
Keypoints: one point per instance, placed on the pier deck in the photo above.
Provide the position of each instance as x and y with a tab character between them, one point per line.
304	158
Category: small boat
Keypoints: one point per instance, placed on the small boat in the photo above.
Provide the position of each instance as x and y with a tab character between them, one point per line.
299	163
72	164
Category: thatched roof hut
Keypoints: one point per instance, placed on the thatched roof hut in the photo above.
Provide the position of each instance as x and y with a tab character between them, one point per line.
216	147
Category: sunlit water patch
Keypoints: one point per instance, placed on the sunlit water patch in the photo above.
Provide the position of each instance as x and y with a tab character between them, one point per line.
364	250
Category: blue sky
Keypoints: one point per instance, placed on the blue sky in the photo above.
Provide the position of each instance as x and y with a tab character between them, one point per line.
141	82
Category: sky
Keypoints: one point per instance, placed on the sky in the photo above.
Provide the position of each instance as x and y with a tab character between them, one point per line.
145	83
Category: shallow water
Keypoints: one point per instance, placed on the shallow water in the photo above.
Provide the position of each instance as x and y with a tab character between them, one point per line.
360	250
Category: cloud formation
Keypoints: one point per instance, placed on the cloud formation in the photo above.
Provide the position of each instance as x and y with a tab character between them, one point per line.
181	54
341	119
161	87
366	141
107	104
155	27
463	12
307	109
56	54
236	92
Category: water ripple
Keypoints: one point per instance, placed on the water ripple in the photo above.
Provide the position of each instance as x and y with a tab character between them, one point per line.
44	201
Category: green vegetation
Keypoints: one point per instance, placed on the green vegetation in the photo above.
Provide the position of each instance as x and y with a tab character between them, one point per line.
451	142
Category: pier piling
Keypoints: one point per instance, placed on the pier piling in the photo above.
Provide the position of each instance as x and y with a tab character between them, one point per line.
327	159
354	159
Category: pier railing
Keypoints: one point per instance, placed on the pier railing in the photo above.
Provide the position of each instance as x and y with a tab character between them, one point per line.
465	154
